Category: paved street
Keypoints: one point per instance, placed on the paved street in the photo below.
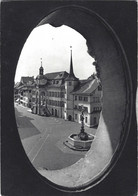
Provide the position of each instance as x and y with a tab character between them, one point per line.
43	137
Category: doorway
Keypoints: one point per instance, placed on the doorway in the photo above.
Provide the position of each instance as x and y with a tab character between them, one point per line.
70	118
94	120
56	112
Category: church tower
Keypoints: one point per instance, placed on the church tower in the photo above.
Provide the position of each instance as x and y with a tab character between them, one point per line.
71	83
41	82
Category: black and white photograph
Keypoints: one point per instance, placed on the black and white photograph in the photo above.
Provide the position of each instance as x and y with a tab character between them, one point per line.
68	98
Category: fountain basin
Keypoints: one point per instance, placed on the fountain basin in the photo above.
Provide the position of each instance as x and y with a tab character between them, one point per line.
75	143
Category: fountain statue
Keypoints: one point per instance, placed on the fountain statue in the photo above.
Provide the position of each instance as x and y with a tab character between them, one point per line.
81	141
82	135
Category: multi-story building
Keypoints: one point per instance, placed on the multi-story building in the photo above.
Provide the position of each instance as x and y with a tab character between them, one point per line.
88	97
48	94
62	95
23	90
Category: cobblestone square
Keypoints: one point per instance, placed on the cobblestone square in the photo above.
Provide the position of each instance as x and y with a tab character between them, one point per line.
42	138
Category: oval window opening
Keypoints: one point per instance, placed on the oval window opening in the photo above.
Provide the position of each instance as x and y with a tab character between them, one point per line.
71	97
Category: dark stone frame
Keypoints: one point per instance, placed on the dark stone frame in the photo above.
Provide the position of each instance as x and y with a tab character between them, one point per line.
16	170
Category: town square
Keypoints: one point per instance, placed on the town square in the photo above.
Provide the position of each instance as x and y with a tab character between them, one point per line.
43	137
57	115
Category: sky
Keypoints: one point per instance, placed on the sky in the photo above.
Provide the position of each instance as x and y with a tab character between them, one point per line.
52	44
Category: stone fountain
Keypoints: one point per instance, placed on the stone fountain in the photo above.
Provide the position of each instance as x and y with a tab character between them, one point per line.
81	141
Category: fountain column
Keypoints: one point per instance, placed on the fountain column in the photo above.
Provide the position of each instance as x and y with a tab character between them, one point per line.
82	135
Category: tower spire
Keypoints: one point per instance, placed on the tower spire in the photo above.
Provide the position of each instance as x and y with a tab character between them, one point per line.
71	63
71	75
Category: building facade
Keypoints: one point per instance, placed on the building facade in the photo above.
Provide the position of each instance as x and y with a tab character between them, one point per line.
63	95
23	91
88	98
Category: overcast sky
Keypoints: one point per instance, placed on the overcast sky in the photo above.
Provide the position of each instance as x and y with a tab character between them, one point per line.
53	46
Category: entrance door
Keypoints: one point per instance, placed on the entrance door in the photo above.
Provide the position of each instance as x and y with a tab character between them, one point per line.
94	121
55	112
52	112
69	117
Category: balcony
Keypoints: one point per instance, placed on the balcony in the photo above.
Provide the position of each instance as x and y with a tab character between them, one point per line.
80	109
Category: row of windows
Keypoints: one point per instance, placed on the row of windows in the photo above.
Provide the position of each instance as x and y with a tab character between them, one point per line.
51	94
55	103
56	94
49	102
97	108
55	81
26	91
80	98
80	108
96	99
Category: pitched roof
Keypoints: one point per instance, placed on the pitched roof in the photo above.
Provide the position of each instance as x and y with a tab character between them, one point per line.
83	81
62	75
56	75
27	79
51	75
58	81
17	85
87	88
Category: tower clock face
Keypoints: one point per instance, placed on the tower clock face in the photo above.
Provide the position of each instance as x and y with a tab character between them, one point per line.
42	82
